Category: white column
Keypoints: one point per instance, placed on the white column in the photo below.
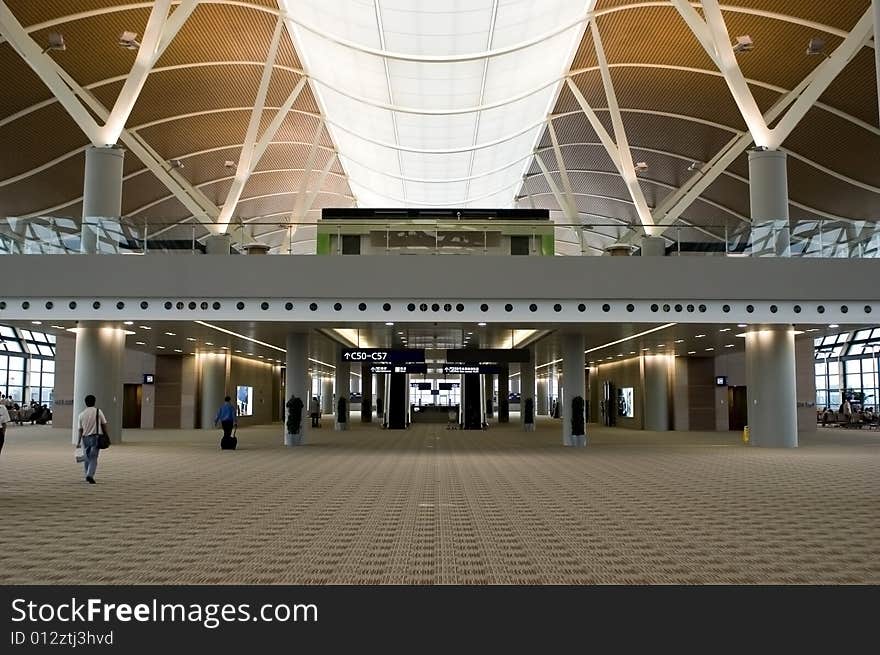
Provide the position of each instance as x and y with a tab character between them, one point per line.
771	392
327	396
212	387
768	191
527	392
343	384
98	372
503	411
656	392
573	385
102	194
541	398
297	384
218	244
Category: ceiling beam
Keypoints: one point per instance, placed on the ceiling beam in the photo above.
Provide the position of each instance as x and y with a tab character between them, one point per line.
245	160
570	205
158	35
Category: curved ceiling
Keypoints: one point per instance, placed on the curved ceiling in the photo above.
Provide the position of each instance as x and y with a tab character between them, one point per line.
422	103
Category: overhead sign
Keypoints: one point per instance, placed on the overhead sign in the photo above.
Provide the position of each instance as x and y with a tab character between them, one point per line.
499	355
379	369
464	369
383	355
149	378
721	381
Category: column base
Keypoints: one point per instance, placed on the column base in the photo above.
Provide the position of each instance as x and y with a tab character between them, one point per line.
340	427
291	440
528	427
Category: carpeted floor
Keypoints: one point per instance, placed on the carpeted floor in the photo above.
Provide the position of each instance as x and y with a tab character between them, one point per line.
431	506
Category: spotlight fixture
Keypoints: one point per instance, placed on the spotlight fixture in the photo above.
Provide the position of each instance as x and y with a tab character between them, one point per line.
176	163
171	334
816	46
229	164
641	167
140	343
694	166
128	322
481	324
389	323
36	322
834	326
55	42
743	43
128	40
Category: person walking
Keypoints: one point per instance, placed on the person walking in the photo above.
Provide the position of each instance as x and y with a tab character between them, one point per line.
5	420
315	411
227	417
92	423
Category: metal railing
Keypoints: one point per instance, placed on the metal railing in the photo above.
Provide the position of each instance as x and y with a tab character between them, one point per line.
815	238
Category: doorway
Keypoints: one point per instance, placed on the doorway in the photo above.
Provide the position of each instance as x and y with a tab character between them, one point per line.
738	408
131	406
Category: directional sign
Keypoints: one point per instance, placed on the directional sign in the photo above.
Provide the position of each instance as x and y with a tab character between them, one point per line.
499	355
379	369
383	355
456	369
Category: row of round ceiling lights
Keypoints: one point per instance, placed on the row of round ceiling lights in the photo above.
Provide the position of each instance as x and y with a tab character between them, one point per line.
436	307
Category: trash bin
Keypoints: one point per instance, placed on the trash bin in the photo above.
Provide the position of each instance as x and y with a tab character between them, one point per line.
746	435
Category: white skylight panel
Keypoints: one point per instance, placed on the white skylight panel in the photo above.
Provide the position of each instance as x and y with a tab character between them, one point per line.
391	157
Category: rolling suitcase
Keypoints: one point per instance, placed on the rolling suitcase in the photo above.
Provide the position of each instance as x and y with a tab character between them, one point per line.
229	443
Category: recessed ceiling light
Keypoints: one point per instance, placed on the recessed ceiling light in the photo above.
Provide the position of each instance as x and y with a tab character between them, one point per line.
679	341
620	355
700	336
708	350
145	327
128	322
59	327
36	322
190	339
208	343
171	334
645	349
813	330
692	352
741	325
834	326
662	345
725	330
730	345
225	348
238	351
161	347
632	352
481	324
140	343
178	350
389	323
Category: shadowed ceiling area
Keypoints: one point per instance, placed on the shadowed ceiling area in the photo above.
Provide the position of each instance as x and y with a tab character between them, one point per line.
609	113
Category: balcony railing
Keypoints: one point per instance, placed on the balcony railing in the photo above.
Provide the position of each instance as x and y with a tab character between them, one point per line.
814	238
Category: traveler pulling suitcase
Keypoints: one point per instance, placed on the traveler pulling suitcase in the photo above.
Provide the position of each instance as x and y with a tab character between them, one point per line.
229	443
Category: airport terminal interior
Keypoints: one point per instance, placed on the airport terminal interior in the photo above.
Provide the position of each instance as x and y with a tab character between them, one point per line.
499	291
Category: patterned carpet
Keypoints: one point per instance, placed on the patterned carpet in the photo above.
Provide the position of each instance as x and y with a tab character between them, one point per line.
430	506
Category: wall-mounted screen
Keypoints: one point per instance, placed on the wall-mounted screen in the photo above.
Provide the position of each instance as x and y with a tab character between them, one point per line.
625	405
245	398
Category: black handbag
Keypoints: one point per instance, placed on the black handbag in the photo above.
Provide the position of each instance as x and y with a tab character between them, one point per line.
103	438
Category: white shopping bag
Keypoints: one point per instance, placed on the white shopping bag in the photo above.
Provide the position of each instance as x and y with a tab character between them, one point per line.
79	455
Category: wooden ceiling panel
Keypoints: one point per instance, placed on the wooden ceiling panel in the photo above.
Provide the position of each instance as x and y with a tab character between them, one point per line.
37	139
61	184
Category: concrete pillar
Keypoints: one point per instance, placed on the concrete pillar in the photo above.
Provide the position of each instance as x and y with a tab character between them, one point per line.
503	394
768	192
527	391
574	385
218	244
296	384
212	387
656	392
770	381
343	383
489	395
366	394
653	247
327	396
102	194
97	371
542	402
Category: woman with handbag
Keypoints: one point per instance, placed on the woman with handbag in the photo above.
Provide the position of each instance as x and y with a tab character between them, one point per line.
93	436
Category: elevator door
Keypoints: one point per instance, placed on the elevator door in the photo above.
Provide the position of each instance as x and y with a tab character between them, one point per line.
131	406
738	408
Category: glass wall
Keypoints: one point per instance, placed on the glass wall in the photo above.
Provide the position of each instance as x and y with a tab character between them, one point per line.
27	365
847	367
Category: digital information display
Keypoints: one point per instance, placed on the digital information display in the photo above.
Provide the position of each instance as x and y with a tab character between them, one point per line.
460	369
721	381
379	369
383	356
